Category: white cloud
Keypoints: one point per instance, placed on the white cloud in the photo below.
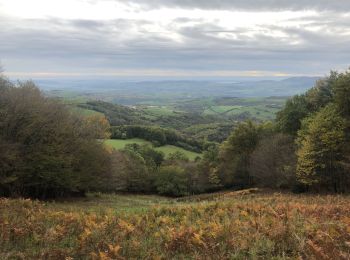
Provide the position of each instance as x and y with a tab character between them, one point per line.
169	37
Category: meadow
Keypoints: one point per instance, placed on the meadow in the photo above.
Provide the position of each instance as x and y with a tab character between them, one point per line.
229	225
166	149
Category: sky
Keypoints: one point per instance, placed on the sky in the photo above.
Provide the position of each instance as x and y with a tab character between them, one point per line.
173	38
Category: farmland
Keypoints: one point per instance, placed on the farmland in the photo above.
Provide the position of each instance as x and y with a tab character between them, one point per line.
228	225
166	149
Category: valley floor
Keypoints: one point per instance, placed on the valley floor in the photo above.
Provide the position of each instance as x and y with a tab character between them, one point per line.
246	224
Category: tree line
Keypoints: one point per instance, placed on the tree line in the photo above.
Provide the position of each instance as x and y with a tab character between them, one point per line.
45	149
48	151
306	149
158	136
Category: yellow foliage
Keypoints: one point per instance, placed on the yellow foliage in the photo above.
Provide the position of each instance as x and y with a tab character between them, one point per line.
271	226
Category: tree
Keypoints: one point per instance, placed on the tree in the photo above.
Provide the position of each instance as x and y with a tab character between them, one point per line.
172	181
209	179
235	154
178	156
273	162
341	89
290	117
322	93
321	149
99	126
140	171
47	151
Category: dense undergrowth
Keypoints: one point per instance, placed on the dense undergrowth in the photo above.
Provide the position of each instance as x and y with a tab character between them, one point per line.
224	226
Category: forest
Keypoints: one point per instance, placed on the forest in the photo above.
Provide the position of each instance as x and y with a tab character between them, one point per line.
47	150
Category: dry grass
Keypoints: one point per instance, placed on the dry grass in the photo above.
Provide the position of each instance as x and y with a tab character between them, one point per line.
244	225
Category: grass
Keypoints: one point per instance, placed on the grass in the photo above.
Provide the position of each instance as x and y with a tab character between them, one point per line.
166	149
230	225
86	112
97	202
120	144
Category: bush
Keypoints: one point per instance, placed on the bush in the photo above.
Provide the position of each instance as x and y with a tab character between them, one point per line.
172	181
273	162
178	156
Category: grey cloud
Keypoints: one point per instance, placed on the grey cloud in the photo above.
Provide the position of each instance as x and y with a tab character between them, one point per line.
262	5
84	45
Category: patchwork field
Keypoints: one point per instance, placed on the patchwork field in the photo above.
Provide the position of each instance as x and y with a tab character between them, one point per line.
227	225
166	149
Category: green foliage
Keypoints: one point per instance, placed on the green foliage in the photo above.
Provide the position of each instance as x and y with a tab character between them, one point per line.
178	156
172	181
300	106
321	148
214	180
116	114
273	162
341	89
323	115
158	136
235	155
138	172
289	118
214	132
166	149
46	151
322	93
135	168
152	157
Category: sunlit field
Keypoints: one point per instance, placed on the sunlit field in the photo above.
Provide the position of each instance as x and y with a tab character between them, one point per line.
166	149
228	225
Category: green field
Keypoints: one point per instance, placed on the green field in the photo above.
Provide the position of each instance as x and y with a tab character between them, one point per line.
166	149
261	112
86	112
120	144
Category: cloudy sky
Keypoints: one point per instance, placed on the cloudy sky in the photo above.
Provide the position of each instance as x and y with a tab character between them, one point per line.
173	38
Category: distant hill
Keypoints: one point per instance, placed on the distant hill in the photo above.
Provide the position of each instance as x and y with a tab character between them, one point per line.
129	93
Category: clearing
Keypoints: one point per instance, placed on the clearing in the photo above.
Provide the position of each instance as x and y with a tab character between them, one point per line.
166	149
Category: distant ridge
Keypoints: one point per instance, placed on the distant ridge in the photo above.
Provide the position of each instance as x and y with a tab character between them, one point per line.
181	88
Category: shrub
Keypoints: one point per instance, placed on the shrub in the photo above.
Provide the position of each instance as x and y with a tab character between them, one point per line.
172	181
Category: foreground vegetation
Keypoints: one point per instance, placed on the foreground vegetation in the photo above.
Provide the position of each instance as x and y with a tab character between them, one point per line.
228	225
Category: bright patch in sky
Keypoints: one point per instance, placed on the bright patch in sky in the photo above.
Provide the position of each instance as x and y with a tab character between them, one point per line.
79	37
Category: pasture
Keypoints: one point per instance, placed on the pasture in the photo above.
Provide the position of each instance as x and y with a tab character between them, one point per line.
166	149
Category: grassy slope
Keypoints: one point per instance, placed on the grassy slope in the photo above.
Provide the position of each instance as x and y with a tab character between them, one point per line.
120	144
231	225
166	149
86	112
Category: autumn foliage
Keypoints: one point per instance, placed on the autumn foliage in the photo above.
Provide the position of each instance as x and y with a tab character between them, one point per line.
221	226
